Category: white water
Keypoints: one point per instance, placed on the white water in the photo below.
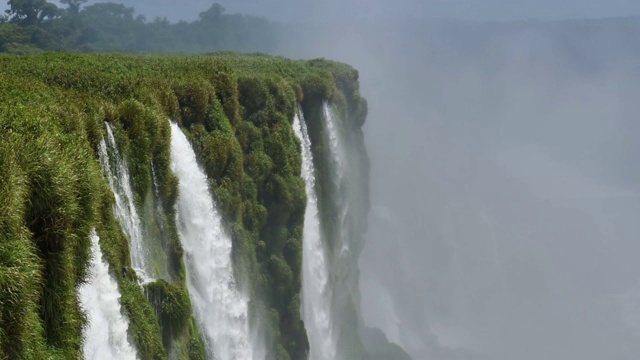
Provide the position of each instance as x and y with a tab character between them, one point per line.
338	170
341	262
106	333
124	208
316	296
334	141
218	305
338	158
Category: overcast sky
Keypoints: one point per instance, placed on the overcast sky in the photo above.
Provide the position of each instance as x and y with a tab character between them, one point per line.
325	10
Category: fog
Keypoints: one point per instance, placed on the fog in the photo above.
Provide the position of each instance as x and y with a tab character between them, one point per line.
304	11
505	186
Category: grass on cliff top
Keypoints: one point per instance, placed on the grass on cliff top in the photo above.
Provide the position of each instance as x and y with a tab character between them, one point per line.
52	111
84	71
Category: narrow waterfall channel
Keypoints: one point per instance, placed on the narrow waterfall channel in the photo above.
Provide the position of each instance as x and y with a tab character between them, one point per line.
342	288
338	160
316	297
105	336
124	209
334	142
221	310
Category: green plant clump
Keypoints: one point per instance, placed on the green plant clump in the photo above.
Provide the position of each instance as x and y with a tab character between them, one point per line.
237	111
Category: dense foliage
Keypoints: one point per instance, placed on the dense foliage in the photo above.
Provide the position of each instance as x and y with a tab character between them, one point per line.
34	26
237	112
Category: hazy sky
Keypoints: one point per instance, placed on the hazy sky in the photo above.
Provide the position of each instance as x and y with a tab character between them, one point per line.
303	10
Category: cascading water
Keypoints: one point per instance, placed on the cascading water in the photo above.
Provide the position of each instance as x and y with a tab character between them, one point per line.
124	208
316	296
220	308
334	142
342	272
338	159
105	336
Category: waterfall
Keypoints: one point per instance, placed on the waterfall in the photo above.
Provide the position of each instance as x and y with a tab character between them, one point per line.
334	142
124	208
105	336
316	297
338	159
346	205
220	308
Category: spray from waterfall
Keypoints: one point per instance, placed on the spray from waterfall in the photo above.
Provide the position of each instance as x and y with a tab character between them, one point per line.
105	336
338	158
346	203
124	208
316	294
334	142
221	310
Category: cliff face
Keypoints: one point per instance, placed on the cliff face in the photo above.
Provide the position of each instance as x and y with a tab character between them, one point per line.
237	112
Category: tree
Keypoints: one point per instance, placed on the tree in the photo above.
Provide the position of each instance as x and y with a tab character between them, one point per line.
74	5
11	34
213	13
111	27
31	12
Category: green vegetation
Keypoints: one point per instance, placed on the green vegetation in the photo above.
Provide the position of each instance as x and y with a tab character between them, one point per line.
34	26
45	219
237	112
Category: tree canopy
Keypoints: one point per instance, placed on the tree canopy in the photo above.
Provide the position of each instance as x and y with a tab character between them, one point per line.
30	12
38	25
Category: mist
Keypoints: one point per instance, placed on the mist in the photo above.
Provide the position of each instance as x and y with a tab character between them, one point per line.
505	192
326	11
